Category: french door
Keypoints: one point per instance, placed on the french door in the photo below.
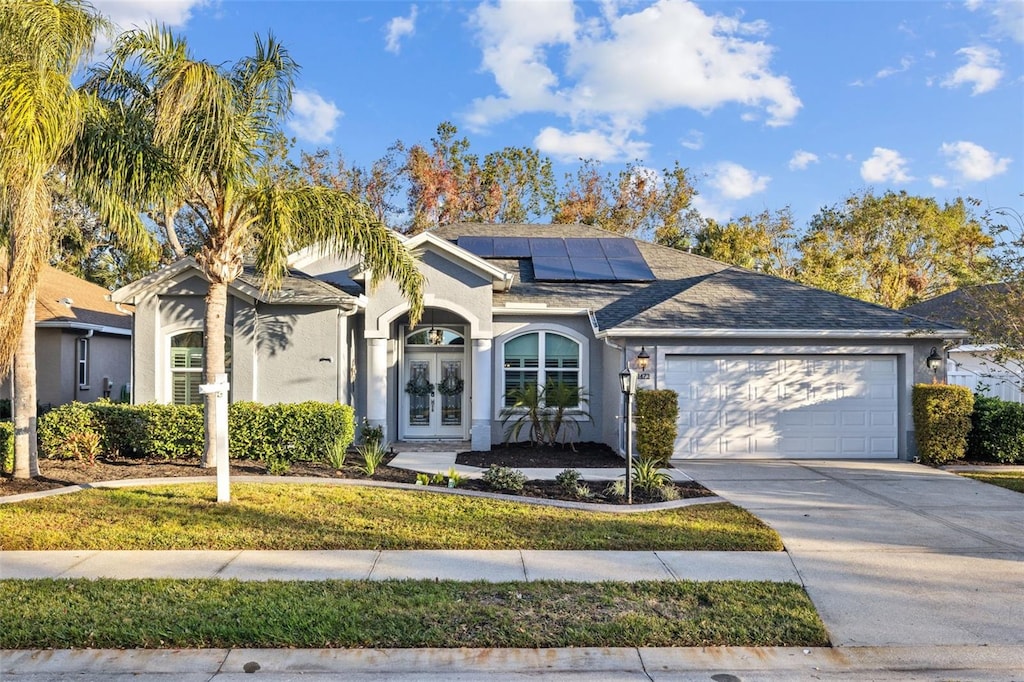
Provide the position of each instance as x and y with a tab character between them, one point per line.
433	394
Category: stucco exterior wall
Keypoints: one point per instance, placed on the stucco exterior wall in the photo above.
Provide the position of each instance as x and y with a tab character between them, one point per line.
300	354
276	350
57	366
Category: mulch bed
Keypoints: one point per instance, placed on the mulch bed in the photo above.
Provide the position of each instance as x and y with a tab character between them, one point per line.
60	473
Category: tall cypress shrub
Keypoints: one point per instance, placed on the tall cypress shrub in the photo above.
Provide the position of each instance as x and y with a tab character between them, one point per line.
657	412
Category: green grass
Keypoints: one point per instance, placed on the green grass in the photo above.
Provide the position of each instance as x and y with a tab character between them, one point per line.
323	517
1014	480
396	614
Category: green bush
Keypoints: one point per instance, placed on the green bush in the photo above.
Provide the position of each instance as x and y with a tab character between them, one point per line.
7	447
58	430
172	431
942	419
286	432
657	413
997	431
505	478
123	427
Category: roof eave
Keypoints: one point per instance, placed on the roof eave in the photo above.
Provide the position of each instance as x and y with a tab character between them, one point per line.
622	332
70	324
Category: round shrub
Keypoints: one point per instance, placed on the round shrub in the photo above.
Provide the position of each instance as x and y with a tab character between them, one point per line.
505	478
60	429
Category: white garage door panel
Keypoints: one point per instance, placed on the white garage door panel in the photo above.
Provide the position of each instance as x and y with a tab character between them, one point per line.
785	406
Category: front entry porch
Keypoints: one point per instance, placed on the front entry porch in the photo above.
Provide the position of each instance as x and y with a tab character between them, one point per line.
431	382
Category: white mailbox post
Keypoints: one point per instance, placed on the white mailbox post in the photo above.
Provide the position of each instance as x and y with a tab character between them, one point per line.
219	389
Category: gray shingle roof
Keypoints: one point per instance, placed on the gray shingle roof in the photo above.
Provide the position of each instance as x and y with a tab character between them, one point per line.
690	292
298	288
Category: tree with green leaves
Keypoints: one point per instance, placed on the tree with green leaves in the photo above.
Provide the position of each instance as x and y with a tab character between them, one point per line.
764	242
895	249
217	125
48	127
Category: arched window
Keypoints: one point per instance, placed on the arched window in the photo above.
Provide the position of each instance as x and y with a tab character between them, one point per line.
187	367
539	358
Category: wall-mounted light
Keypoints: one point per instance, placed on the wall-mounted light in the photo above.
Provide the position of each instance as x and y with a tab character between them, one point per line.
933	361
643	359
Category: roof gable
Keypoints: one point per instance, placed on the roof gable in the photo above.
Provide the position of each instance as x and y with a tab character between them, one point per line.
64	300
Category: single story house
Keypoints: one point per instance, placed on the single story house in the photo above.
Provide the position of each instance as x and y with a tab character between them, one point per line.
764	367
83	342
971	363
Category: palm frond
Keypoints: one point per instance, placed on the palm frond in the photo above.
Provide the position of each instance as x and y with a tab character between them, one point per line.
342	226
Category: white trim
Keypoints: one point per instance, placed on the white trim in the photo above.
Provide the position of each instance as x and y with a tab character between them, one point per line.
384	320
782	333
98	328
535	309
498	392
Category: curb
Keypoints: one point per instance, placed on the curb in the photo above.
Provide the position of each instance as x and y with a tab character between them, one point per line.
315	480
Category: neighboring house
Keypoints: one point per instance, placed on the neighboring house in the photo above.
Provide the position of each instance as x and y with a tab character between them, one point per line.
974	364
764	367
83	342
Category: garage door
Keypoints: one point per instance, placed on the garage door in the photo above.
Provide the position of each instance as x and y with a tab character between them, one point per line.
785	406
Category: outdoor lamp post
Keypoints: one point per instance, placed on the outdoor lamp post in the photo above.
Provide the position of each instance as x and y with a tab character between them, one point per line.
933	362
627	383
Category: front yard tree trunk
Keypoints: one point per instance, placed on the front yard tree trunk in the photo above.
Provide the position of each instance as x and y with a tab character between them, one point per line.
23	407
213	363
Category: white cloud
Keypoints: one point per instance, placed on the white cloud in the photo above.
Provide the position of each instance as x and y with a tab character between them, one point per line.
1007	17
589	144
399	28
625	64
885	165
313	118
973	162
905	65
982	69
802	159
694	140
128	14
711	209
733	181
937	181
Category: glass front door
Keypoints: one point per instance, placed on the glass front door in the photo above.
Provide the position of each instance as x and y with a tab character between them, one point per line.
434	395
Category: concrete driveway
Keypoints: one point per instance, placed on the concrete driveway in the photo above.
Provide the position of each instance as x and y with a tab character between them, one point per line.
891	553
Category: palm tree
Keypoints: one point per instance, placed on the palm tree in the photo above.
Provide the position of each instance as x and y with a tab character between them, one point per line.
48	126
218	126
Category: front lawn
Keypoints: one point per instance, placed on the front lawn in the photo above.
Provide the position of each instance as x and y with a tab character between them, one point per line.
43	614
1014	480
302	517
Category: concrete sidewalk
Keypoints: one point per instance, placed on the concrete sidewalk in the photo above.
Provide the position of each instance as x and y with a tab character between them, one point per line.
492	566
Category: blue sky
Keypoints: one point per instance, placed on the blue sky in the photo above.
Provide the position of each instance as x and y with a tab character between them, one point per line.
769	104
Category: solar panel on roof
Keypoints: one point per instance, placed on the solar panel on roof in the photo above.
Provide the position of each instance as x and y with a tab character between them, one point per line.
548	247
556	269
619	247
631	270
592	269
511	247
478	246
584	248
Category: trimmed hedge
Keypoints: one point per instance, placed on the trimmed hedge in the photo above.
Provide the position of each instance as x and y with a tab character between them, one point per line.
271	433
997	431
7	447
657	413
942	419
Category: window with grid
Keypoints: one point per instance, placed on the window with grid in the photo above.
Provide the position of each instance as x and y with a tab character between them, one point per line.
539	358
187	367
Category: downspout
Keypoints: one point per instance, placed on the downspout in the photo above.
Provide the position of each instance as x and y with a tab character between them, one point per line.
78	358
